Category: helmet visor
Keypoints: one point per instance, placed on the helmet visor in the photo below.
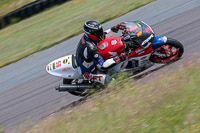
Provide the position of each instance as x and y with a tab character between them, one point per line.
98	33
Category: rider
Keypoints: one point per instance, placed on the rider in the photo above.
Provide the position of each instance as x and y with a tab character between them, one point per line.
87	54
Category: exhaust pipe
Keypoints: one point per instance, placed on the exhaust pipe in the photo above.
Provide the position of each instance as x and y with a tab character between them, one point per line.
71	87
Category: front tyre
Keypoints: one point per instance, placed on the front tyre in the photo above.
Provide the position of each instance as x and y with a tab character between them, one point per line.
169	52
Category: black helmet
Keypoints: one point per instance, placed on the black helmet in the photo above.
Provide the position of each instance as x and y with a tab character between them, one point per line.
93	30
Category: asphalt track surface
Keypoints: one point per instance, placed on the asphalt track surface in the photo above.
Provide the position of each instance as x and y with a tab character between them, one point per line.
27	92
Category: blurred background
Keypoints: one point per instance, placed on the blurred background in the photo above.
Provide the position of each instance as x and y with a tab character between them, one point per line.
13	11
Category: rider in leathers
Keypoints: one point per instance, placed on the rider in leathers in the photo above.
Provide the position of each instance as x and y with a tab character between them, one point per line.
87	54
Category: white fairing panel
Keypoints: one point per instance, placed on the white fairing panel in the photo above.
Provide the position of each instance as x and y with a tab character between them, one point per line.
63	67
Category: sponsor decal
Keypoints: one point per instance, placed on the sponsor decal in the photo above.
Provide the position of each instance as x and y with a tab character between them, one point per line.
139	25
148	30
139	34
54	66
132	29
147	26
69	76
138	51
65	61
92	77
48	67
58	64
147	40
141	53
113	42
65	69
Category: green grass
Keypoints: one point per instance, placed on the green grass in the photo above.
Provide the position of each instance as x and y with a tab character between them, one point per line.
57	24
170	104
1	129
7	6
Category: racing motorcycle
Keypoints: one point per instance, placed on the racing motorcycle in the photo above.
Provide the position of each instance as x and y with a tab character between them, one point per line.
138	40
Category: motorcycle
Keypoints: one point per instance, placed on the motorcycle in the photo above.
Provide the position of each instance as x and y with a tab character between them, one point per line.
138	40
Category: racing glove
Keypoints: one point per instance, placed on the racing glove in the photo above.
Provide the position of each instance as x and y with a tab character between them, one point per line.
120	58
118	27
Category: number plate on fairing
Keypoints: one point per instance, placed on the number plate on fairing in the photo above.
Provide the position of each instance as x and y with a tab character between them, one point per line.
63	67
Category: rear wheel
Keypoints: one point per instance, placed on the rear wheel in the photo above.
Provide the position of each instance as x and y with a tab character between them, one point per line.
169	52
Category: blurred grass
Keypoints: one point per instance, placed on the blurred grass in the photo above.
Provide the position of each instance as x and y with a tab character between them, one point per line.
170	104
7	6
57	24
1	129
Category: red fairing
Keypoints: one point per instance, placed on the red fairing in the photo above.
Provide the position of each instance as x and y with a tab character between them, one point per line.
140	52
110	47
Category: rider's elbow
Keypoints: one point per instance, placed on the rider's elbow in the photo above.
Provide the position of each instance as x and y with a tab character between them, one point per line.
109	63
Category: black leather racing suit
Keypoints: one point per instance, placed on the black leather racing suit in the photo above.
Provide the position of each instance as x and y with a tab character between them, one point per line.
89	59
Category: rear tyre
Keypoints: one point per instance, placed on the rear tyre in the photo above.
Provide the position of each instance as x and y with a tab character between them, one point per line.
169	52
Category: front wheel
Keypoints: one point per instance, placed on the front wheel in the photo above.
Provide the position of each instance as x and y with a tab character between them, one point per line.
169	52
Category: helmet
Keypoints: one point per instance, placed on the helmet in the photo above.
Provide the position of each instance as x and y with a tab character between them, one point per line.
93	30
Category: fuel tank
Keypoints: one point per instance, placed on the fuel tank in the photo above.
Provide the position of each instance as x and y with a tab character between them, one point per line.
110	47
